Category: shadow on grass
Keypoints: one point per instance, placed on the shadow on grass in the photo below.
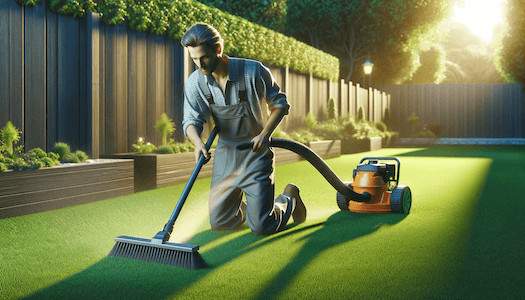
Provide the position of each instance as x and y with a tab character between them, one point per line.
339	229
125	278
495	257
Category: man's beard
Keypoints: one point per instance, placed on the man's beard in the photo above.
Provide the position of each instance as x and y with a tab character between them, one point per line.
207	70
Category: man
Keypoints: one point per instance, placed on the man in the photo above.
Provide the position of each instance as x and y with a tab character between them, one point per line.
231	91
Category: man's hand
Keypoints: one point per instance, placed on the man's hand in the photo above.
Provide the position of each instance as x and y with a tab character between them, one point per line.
260	141
201	148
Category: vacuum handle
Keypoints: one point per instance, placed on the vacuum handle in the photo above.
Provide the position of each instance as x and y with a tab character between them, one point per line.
398	169
164	235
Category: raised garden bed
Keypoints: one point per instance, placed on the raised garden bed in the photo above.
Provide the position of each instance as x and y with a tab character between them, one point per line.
355	146
158	170
23	192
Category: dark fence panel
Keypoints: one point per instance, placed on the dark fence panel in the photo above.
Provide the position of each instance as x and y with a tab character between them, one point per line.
461	110
43	76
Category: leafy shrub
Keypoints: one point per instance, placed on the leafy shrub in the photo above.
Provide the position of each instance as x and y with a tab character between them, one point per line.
76	8
29	3
360	114
53	156
330	130
49	162
381	126
81	155
279	133
9	135
112	11
61	149
142	147
139	14
19	164
70	158
414	124
3	167
331	109
37	153
310	122
165	127
165	149
435	128
304	136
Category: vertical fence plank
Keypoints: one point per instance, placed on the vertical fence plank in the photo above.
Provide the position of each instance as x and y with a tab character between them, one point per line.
12	64
35	77
51	78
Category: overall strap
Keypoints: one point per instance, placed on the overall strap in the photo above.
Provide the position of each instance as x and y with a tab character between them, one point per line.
205	88
242	81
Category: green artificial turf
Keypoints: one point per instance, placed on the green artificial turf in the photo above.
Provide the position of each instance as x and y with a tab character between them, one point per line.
463	238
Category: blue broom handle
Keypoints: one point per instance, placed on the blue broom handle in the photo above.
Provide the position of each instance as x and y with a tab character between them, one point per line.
202	160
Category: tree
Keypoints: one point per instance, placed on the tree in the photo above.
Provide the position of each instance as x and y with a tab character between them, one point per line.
432	66
389	32
511	61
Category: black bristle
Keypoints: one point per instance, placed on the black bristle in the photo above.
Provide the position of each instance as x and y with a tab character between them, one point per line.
183	255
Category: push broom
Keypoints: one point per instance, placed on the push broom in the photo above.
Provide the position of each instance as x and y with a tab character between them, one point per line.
158	249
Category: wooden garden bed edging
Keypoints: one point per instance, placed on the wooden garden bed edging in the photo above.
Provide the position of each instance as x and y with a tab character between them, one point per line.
154	170
355	146
23	192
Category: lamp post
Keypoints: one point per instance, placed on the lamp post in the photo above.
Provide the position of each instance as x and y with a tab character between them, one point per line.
368	66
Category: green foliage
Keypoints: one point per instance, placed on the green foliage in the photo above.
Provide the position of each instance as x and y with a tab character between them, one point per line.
511	60
9	135
268	13
181	147
165	127
331	109
36	153
61	149
76	8
414	123
304	136
165	149
70	158
53	156
143	147
360	114
279	133
432	66
112	11
81	155
310	122
139	14
3	167
19	164
381	126
29	3
389	32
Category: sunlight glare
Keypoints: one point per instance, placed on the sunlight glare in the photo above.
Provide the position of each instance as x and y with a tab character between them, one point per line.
480	16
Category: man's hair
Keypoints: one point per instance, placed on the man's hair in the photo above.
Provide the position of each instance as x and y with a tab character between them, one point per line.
201	34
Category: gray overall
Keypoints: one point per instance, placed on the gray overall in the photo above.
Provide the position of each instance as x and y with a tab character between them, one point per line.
241	171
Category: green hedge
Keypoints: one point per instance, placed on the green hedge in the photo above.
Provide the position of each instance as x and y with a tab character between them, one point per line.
242	38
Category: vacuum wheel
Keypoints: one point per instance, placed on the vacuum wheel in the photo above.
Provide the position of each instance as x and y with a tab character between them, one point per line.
401	199
342	201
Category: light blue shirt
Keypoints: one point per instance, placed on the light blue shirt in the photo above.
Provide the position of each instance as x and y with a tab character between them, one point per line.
260	87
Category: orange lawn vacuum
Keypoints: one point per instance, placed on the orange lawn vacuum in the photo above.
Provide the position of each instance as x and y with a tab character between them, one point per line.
375	187
381	181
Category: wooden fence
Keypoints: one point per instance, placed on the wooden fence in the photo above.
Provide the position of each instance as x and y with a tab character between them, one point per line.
461	110
100	87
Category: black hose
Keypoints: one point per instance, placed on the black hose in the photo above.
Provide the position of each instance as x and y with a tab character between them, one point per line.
318	163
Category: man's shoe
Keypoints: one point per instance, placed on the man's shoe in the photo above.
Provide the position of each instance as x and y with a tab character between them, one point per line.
299	210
